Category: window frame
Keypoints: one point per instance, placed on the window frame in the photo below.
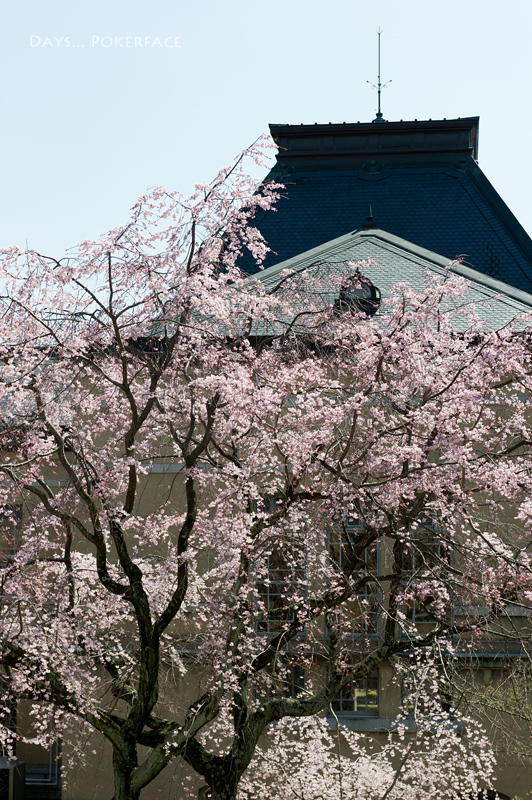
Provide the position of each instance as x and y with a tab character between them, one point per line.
440	549
10	514
371	592
288	576
345	696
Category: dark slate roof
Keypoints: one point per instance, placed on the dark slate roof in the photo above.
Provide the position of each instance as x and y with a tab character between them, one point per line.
423	184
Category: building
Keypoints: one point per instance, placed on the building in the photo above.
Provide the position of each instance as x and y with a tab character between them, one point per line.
346	200
419	181
410	197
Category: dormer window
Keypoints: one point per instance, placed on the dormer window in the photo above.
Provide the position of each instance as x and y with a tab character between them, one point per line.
358	294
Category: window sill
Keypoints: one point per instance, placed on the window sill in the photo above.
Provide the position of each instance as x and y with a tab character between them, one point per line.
376	724
361	723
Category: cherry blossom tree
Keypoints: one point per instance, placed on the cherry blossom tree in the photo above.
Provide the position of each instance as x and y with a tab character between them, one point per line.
204	473
311	762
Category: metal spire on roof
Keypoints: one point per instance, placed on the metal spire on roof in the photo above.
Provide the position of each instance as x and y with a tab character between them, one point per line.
379	86
369	222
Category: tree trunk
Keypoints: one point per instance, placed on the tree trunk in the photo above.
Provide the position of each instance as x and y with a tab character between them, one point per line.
223	791
122	771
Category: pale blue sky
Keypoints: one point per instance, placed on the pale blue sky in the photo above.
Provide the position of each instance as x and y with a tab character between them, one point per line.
86	129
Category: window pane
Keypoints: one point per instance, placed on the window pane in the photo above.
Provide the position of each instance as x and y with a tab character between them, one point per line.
278	590
361	616
360	698
10	519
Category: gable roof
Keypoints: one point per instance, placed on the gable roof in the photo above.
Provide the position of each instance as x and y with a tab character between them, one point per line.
400	261
421	180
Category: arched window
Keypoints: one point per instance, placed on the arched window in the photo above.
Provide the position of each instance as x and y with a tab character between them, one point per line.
358	294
